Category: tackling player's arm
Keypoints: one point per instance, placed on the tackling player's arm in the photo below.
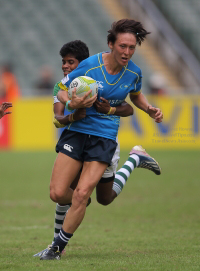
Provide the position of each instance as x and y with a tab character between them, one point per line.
123	110
61	120
141	102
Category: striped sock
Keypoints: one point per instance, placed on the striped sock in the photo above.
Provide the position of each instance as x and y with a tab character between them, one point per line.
59	218
124	173
62	239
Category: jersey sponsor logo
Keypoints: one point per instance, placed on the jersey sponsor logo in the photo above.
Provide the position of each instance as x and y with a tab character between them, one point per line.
68	147
125	86
100	84
115	102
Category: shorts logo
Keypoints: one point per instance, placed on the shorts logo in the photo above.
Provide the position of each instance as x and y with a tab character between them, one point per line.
68	147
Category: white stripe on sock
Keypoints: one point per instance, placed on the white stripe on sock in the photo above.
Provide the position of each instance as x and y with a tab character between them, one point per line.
130	164
136	158
116	188
60	208
63	237
125	171
58	226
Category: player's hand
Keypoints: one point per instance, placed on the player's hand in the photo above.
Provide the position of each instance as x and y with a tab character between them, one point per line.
82	102
3	108
155	113
79	114
102	107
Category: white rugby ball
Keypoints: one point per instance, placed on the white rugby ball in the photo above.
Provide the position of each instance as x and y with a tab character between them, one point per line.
83	84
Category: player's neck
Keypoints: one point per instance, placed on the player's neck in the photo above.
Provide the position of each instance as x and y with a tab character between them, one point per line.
111	66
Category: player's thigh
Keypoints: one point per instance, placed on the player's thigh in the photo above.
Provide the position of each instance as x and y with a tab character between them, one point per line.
64	172
90	176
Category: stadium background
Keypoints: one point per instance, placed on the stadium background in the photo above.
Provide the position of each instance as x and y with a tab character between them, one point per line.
31	41
157	217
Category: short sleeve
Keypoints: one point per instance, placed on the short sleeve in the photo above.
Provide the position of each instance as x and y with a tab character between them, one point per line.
56	89
137	84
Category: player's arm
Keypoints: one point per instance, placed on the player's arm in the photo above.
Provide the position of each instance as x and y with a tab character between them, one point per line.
62	121
59	109
141	102
123	110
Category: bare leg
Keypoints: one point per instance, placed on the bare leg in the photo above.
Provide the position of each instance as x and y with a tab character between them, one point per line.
62	177
90	176
104	193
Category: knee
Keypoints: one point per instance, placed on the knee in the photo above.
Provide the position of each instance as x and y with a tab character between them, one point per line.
56	195
104	200
80	197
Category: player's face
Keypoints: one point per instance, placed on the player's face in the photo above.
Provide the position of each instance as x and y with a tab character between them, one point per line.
123	48
69	63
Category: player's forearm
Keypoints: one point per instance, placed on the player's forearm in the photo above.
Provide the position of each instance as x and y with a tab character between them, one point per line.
62	96
124	110
62	121
140	101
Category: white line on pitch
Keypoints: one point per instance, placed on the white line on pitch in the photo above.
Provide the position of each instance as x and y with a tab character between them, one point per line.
35	227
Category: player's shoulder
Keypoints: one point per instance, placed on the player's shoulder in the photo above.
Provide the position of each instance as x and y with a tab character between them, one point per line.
132	67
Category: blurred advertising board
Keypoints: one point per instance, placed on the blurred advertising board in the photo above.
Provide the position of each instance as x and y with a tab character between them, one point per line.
180	128
30	126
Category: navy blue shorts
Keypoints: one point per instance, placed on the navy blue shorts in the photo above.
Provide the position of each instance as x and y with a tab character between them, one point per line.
85	147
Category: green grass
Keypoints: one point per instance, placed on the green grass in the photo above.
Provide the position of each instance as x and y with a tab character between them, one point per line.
153	225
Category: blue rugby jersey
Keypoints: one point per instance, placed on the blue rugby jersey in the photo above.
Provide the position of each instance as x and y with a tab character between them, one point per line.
113	88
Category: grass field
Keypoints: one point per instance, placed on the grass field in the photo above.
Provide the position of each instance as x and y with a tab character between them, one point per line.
153	225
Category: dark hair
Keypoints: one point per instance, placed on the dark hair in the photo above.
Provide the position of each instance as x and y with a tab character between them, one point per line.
77	48
127	26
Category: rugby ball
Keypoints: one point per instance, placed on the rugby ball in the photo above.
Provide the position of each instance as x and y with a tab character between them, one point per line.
83	84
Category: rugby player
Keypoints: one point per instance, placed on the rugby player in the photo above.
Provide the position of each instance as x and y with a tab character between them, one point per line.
92	140
72	54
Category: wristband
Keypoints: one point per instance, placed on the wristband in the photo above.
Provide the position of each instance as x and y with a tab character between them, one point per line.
67	106
111	111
